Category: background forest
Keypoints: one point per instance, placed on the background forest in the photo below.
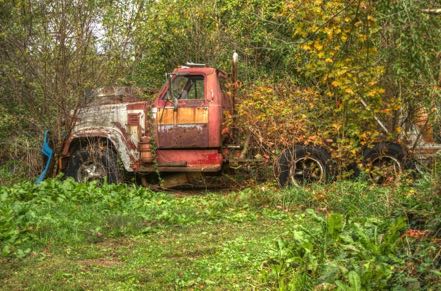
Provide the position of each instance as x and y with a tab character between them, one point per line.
303	64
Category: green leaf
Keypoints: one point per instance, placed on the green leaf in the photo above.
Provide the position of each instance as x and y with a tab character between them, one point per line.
334	224
354	281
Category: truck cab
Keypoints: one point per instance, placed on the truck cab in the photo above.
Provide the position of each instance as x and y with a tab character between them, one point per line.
177	132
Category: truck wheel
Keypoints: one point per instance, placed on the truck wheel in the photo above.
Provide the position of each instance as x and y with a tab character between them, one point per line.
87	165
384	163
303	165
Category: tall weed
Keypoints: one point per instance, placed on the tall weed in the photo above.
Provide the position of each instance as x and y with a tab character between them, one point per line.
343	253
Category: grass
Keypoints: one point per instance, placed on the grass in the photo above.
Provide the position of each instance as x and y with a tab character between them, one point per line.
63	235
210	255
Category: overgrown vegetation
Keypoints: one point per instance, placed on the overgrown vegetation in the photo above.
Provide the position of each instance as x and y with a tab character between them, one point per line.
304	68
304	64
344	235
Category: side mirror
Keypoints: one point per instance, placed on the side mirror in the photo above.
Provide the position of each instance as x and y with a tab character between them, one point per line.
175	103
169	78
170	94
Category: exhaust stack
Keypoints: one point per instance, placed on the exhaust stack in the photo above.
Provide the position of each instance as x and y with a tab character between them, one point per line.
234	79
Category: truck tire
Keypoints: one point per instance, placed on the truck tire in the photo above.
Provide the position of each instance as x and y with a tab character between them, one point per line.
303	165
384	163
99	165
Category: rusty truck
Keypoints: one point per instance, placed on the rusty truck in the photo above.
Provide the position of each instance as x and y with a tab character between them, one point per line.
180	134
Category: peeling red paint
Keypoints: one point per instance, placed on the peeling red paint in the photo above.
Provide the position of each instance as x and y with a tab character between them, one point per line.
133	119
192	157
129	142
137	106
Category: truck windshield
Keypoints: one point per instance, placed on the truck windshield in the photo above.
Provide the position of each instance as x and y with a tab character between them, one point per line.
188	87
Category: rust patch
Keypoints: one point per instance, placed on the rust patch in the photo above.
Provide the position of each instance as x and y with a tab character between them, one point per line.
133	119
183	136
135	165
137	106
196	160
198	168
128	141
183	115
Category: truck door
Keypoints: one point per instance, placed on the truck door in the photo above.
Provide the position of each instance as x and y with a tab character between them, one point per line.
182	121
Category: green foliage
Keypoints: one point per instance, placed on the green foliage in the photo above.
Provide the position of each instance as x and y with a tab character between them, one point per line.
410	51
346	235
338	252
33	216
208	31
6	121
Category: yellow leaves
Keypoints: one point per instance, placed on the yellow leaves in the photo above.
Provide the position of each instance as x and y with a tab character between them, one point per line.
306	47
336	84
302	33
329	32
375	92
339	70
337	126
371	93
318	46
314	28
349	91
411	192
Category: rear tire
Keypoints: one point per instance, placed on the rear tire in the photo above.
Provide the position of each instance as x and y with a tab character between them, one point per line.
303	165
385	163
94	164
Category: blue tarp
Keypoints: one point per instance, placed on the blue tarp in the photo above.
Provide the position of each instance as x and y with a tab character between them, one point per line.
48	153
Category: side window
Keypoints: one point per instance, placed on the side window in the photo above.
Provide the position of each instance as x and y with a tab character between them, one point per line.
188	87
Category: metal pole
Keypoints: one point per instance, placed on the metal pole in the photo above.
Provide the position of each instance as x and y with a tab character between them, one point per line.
376	118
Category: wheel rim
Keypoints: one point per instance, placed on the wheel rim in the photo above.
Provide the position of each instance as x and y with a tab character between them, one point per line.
91	171
385	170
306	170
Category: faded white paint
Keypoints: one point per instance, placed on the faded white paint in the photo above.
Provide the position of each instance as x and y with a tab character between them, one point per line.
101	120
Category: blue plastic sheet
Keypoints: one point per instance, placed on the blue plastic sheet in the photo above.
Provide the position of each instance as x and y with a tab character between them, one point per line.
48	152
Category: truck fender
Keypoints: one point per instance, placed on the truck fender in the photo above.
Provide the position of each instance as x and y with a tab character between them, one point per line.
125	148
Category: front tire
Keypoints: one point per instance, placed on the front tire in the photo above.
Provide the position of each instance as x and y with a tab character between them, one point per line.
303	165
94	164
